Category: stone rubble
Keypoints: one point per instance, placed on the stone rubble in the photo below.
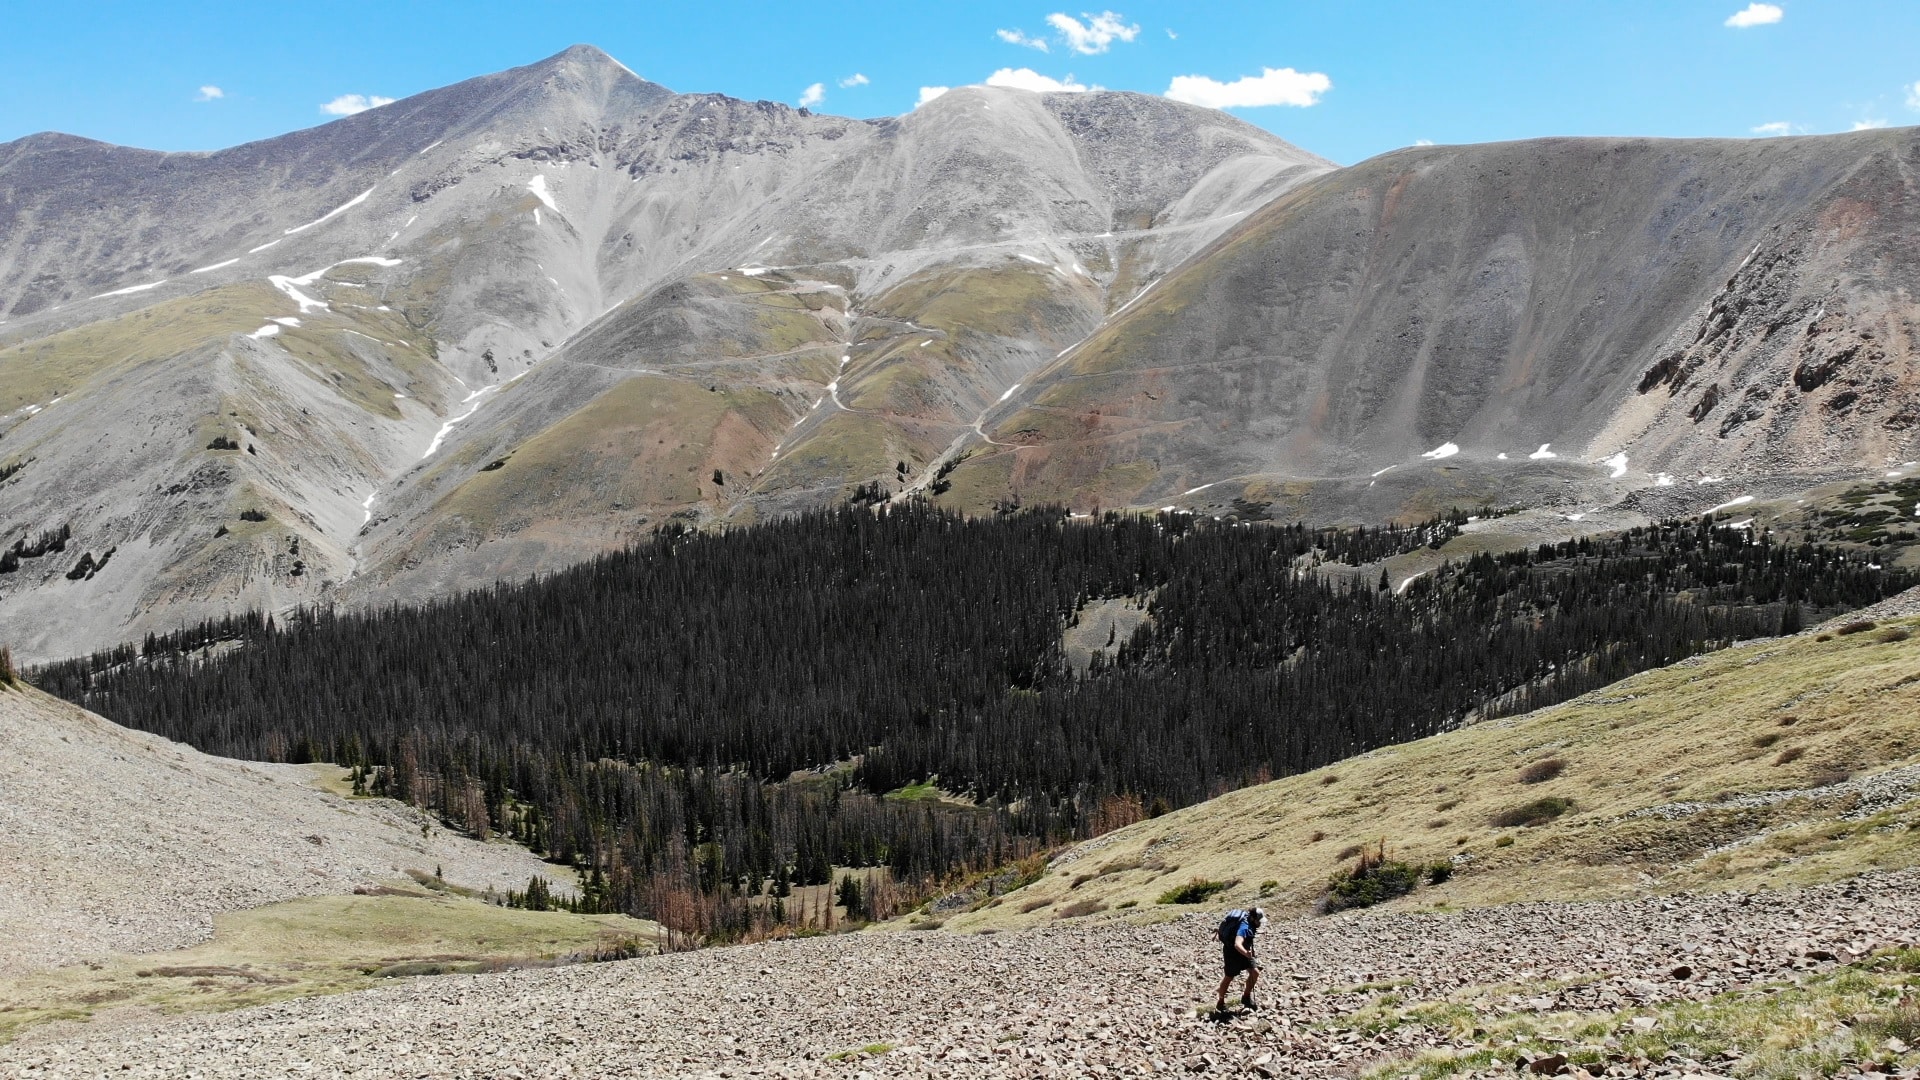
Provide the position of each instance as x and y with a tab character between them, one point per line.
1080	998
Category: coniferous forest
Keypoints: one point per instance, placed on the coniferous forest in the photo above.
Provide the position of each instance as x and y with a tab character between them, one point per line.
706	719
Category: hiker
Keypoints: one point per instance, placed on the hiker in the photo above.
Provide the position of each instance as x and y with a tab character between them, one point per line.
1236	945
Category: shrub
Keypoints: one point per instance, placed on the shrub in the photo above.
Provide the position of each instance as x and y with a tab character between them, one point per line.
1505	841
1439	871
221	442
1080	908
1125	904
252	515
1857	626
1349	852
1372	880
1267	887
1316	836
1892	634
1033	905
1537	812
1764	741
1543	770
9	675
1197	891
1790	755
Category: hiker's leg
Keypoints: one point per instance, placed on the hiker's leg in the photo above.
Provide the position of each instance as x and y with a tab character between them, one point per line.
1225	985
1253	976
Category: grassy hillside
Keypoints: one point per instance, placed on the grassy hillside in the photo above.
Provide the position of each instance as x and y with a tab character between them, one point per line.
1772	763
322	945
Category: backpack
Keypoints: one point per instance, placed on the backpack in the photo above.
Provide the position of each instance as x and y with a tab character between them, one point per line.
1230	926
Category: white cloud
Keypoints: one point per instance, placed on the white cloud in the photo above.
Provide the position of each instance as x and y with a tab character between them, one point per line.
1095	35
210	93
1171	36
813	95
1029	79
1755	14
1423	142
928	93
1868	124
1776	127
349	104
1913	97
1019	37
855	79
1273	86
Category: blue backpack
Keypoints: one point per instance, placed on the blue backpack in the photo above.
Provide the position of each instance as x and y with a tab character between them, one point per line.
1237	924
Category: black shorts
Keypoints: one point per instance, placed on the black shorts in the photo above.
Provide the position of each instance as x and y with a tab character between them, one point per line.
1235	963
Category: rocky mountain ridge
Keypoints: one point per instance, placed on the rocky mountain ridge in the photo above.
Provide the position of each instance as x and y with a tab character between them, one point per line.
496	328
219	368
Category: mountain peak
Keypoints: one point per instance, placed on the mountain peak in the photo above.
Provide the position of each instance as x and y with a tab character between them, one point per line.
590	57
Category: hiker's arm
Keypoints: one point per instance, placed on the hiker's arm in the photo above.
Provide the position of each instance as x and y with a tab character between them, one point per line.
1239	942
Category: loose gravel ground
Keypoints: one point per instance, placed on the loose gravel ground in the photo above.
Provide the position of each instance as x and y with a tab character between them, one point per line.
1072	1000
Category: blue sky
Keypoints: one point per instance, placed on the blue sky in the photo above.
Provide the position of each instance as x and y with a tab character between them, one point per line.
1350	79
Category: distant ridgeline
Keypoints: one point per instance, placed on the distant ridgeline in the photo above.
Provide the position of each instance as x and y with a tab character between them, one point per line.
645	715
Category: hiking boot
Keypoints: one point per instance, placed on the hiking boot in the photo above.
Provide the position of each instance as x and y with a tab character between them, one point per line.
1247	1000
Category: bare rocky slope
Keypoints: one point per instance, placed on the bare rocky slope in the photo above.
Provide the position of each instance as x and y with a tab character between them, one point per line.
1344	996
1520	315
115	841
498	327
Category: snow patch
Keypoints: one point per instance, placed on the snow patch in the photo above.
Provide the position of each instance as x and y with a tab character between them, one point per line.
422	153
926	343
1441	452
1024	257
1543	453
331	214
538	185
1008	393
1385	471
1731	503
1618	463
1576	517
215	266
291	286
262	247
1711	480
266	331
131	289
285	320
447	427
1747	524
753	271
1402	587
1663	480
536	215
1502	455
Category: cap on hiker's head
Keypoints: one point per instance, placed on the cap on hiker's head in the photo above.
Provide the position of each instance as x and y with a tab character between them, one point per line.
1257	916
